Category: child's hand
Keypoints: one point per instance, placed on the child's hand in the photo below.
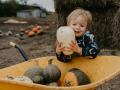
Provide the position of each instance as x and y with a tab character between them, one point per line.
59	47
75	48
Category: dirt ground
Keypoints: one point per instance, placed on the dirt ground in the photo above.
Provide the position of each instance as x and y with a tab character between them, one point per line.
37	46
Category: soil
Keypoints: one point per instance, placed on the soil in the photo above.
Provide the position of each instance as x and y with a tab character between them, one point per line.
38	45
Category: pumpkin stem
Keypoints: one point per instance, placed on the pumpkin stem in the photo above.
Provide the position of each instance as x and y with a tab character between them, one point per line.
50	61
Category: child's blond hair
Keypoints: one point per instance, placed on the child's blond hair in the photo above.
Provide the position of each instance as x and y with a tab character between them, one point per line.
80	12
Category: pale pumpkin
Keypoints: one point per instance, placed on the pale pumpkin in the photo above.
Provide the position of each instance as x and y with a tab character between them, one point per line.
23	79
66	36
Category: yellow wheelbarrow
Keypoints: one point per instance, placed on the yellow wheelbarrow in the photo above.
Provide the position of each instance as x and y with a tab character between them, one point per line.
100	70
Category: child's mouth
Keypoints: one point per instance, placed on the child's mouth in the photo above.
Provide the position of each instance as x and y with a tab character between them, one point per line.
77	31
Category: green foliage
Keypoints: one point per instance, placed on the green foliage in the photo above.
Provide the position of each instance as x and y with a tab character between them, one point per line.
8	8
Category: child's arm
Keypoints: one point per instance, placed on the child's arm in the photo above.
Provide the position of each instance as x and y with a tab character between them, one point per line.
91	48
59	53
66	58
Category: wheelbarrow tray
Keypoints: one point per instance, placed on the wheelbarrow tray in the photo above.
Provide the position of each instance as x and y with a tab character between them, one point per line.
100	70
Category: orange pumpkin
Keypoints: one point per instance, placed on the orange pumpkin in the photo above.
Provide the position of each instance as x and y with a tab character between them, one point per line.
31	33
39	32
34	29
75	77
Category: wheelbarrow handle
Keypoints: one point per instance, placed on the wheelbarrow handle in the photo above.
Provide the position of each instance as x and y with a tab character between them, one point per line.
20	50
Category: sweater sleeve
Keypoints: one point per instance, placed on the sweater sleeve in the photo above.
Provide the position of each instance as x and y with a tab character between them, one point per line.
63	58
66	58
91	48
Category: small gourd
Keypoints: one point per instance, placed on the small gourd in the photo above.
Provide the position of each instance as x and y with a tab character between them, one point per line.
53	84
26	31
23	79
51	73
75	77
66	36
38	27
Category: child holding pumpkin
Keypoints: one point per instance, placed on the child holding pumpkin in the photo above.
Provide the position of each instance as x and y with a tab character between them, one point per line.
80	20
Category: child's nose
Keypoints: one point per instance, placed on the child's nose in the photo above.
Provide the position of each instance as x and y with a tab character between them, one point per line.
77	27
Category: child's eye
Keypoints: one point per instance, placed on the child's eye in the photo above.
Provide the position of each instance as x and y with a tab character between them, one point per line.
74	24
82	25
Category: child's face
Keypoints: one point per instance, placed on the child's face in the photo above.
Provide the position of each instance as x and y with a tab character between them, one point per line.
79	25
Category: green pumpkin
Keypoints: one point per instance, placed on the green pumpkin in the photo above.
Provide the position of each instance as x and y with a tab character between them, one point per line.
51	73
35	74
38	79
